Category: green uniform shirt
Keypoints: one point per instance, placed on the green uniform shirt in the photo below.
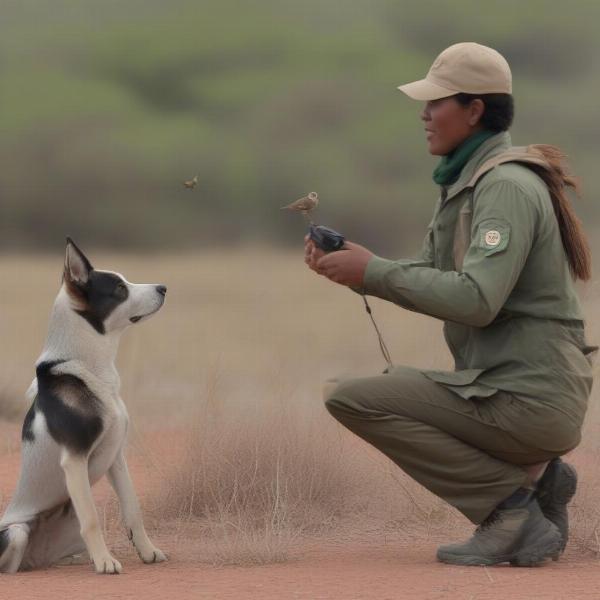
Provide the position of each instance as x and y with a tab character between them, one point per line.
512	319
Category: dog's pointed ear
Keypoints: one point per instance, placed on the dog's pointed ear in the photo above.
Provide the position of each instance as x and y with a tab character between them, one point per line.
77	266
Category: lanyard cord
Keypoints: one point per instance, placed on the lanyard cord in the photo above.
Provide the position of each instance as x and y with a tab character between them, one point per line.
382	345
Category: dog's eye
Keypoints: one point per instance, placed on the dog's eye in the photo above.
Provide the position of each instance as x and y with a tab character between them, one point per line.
120	289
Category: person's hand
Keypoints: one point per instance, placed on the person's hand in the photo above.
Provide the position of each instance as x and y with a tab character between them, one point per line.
346	266
312	254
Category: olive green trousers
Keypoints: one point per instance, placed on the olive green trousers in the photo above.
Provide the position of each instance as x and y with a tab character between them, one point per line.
463	450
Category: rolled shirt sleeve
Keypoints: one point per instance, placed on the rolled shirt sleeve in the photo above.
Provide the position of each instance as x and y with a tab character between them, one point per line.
502	234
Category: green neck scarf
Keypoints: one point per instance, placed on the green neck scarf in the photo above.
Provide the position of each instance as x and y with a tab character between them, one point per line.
451	165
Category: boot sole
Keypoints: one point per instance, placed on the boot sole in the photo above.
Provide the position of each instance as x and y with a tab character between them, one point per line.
533	555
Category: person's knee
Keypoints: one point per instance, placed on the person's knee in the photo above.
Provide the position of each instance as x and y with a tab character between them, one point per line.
338	395
328	388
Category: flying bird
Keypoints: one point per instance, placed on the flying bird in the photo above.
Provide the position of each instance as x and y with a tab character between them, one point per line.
191	184
304	204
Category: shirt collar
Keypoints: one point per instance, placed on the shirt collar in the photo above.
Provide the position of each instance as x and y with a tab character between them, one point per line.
495	145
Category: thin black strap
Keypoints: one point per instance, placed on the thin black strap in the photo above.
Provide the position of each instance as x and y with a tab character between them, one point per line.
382	345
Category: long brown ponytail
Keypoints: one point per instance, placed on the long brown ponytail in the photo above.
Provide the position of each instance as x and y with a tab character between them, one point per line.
573	237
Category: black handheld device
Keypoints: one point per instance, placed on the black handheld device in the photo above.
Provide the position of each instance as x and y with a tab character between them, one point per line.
325	238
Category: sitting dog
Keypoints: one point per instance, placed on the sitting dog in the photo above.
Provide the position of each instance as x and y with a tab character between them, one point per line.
75	430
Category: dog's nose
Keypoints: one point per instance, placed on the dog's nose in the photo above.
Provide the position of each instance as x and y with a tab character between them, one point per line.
161	289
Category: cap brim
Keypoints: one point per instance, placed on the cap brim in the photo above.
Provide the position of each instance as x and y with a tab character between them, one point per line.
425	90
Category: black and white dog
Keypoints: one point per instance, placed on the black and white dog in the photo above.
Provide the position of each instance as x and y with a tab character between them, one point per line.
75	430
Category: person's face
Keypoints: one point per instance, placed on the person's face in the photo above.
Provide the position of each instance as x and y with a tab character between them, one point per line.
448	123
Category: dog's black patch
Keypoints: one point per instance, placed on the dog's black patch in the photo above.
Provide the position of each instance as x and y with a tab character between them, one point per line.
27	431
4	541
102	293
72	411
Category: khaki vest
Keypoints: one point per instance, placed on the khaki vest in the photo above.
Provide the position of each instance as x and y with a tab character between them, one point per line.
462	233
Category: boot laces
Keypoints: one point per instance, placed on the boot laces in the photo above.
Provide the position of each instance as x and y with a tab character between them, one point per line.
494	517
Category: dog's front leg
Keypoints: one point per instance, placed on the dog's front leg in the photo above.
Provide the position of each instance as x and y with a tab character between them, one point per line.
119	477
75	468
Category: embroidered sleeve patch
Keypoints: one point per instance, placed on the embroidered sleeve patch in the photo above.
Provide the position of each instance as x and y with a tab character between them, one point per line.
493	236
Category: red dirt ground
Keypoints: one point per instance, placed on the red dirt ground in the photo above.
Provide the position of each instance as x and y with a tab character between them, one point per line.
348	569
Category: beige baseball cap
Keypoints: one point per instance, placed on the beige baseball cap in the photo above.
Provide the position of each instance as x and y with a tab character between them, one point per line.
466	67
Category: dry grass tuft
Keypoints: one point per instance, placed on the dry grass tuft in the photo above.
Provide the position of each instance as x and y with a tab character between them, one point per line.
260	475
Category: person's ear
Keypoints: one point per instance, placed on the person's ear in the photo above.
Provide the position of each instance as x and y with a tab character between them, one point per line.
476	110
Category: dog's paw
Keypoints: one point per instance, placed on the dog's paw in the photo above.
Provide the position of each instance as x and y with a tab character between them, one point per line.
152	555
107	565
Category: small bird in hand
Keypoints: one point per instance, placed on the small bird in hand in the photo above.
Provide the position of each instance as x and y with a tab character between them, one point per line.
304	204
191	184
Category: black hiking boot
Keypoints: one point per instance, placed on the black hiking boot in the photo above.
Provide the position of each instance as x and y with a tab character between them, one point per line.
521	536
555	489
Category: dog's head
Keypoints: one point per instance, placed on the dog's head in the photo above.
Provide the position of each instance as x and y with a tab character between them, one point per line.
106	300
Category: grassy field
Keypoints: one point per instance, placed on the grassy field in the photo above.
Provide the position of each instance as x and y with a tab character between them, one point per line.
231	371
